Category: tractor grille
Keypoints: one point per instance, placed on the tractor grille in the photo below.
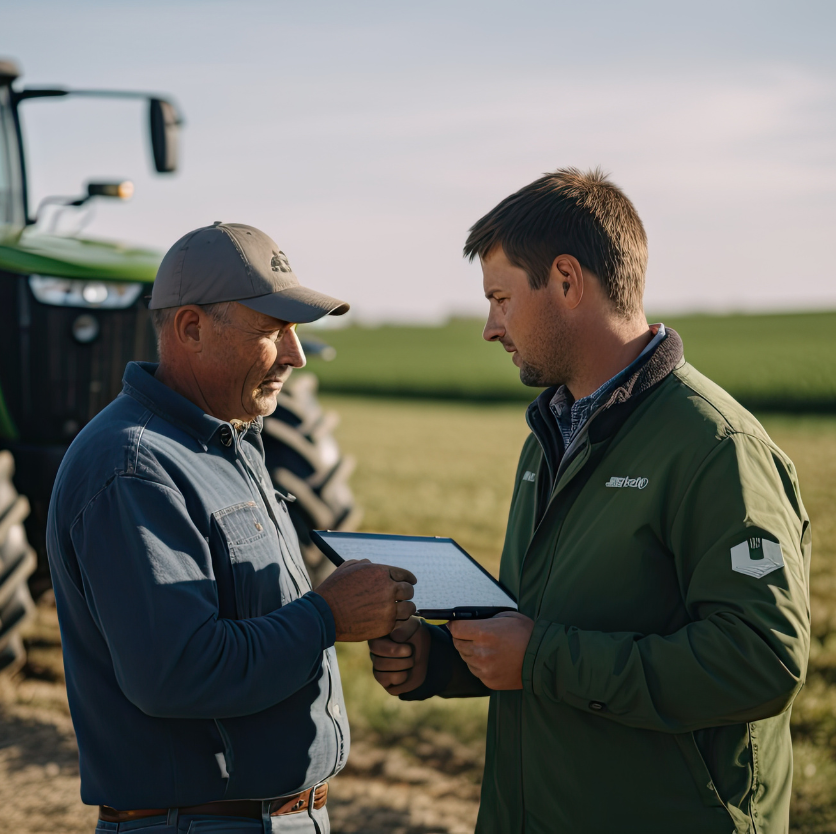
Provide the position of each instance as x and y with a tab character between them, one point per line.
52	384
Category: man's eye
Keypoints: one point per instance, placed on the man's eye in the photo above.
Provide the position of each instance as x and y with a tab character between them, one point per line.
277	335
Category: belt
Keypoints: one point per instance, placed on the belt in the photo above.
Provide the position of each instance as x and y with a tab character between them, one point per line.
251	808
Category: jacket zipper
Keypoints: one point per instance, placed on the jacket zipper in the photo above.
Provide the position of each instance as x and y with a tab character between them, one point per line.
562	466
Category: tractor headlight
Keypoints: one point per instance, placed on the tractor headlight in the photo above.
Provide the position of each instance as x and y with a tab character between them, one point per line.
68	292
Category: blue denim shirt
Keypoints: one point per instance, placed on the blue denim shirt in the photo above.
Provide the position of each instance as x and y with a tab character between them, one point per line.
571	415
199	664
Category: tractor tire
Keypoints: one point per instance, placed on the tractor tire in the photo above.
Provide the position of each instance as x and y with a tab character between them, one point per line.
303	459
17	562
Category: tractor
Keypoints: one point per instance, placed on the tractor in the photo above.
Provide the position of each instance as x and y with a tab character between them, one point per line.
73	313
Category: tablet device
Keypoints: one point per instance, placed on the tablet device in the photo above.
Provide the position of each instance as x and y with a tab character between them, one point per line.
452	585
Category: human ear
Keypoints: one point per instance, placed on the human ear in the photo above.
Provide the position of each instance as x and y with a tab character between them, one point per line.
188	323
567	280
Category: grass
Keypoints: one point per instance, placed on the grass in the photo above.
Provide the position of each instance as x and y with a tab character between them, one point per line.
447	469
769	362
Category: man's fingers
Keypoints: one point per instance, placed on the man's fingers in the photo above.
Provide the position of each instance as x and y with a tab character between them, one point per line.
403	590
392	664
466	629
384	647
402	575
464	647
390	679
404	629
404	610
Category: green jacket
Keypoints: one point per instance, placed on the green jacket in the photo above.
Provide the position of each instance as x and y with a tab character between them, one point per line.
658	680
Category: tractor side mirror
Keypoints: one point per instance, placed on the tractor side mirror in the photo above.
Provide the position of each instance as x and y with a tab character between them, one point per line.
165	134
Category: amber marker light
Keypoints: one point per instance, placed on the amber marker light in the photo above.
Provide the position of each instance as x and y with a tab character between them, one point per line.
120	190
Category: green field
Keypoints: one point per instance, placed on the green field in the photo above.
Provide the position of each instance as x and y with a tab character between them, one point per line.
447	469
768	362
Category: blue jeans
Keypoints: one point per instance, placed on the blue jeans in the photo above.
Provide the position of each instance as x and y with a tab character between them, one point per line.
305	822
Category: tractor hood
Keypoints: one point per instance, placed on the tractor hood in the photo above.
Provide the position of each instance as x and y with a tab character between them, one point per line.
32	253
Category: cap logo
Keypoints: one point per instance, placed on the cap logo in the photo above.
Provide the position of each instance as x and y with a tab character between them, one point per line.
280	263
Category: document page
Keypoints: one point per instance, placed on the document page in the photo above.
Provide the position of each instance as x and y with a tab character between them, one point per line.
446	576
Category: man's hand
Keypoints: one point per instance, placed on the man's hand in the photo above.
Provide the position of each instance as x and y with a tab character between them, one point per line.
367	600
399	661
494	649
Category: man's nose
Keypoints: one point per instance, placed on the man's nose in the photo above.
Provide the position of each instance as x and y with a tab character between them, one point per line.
292	353
493	329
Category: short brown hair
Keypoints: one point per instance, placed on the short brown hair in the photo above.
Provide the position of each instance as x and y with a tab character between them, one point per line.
570	212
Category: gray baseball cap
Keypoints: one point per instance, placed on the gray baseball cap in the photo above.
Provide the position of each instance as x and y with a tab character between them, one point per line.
234	262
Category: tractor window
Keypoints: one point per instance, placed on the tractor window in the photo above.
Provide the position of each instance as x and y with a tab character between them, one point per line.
11	203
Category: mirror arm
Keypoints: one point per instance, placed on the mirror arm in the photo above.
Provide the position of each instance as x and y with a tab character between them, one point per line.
56	92
165	119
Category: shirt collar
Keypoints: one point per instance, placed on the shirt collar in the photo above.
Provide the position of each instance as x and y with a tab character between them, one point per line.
140	383
571	414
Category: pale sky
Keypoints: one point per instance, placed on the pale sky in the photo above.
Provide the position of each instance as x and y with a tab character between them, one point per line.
367	137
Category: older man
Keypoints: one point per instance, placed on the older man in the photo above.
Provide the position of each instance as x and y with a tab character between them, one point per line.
657	546
200	667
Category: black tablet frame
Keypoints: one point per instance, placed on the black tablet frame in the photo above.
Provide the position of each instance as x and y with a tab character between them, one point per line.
464	612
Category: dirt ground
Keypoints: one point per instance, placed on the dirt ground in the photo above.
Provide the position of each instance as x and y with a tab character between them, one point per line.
382	791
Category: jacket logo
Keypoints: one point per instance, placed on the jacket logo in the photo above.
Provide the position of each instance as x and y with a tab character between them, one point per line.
529	476
756	557
636	483
280	263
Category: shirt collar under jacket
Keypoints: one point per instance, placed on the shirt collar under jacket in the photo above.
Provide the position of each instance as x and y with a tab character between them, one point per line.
140	383
571	415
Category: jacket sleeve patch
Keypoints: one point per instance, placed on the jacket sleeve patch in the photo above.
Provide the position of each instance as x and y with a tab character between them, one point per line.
757	557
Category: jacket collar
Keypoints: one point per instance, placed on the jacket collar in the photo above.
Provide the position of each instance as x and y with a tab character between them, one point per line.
621	402
637	387
660	363
140	383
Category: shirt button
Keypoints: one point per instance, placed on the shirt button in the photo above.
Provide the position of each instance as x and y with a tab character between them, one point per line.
597	705
337	710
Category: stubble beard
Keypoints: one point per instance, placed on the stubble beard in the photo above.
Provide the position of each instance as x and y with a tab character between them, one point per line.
264	403
549	356
533	376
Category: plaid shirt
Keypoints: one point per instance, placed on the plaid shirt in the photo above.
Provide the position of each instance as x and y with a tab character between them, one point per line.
572	415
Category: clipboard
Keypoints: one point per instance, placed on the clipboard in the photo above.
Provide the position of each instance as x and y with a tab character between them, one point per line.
452	585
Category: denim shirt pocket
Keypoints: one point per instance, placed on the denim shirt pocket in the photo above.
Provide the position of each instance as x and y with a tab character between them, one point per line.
250	541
